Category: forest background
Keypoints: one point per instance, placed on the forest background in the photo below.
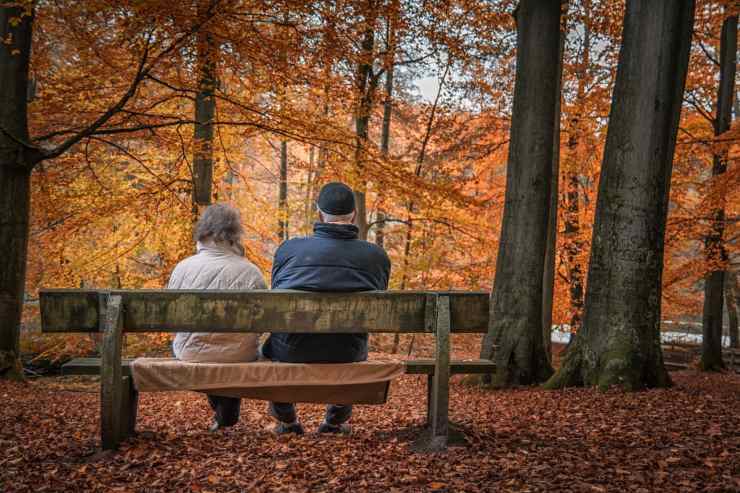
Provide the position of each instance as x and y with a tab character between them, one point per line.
277	98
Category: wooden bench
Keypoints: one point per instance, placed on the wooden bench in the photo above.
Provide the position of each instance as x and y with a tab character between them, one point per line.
114	313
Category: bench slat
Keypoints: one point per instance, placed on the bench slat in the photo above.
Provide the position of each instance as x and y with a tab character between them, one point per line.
91	366
75	310
457	367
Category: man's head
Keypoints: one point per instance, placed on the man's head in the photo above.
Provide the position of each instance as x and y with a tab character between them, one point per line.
336	203
220	223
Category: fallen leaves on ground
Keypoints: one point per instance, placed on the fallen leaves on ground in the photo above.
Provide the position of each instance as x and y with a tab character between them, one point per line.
686	438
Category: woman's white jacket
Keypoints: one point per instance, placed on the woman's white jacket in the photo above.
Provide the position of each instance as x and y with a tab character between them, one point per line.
216	266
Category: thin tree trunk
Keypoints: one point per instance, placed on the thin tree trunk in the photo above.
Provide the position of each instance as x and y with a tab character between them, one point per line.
205	112
310	183
418	172
619	342
365	93
716	254
548	279
572	227
515	326
283	192
385	137
731	294
15	181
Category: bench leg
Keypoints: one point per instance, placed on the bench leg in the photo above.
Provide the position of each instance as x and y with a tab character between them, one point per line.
129	407
439	426
430	385
111	382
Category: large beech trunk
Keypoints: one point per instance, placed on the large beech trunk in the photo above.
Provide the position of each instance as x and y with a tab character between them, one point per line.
515	326
15	180
714	281
619	341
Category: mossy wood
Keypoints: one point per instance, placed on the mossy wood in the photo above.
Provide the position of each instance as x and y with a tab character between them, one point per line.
113	312
77	310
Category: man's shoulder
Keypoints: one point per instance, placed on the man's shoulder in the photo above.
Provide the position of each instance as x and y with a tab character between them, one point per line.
292	244
374	249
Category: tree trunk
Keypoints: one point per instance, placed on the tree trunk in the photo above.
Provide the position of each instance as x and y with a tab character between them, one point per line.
731	294
385	136
516	300
15	180
205	112
283	193
365	92
571	215
716	254
311	176
548	279
619	342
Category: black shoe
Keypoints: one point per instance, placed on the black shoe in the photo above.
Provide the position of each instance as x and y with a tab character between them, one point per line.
343	429
284	429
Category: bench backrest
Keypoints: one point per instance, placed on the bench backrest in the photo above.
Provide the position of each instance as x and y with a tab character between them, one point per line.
81	310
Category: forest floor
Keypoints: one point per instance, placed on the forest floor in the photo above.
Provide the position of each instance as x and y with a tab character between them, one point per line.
686	438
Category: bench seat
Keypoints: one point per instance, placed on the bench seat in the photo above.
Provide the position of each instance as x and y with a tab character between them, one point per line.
91	366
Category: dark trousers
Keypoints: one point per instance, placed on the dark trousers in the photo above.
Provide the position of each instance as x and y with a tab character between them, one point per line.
226	409
336	414
314	349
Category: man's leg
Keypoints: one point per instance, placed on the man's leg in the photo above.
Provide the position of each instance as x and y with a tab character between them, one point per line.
283	412
226	409
337	414
287	418
336	419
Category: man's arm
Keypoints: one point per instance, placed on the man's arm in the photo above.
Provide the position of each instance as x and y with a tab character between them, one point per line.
277	264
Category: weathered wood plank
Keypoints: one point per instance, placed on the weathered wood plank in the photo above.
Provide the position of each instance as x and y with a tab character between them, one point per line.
457	367
262	311
69	310
438	420
110	371
468	311
91	366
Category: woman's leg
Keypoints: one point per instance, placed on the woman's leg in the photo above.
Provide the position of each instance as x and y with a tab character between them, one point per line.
226	409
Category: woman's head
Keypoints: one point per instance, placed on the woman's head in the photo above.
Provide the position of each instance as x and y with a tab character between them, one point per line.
220	223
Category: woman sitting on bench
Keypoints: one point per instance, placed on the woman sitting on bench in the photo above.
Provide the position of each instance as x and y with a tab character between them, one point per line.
218	264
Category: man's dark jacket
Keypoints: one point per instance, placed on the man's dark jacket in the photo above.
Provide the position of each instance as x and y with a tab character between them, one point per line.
333	259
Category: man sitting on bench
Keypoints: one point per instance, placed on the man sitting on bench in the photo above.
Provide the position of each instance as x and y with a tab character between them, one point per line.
333	259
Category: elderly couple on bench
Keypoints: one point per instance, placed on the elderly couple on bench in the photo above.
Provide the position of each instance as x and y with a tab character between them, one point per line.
333	259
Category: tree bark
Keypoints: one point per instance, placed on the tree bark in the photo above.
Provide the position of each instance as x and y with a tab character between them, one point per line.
205	112
515	327
283	193
731	294
366	83
15	181
548	279
715	252
571	214
619	342
385	136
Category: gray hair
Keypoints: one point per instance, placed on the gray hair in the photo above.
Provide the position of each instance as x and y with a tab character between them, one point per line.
333	218
220	223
